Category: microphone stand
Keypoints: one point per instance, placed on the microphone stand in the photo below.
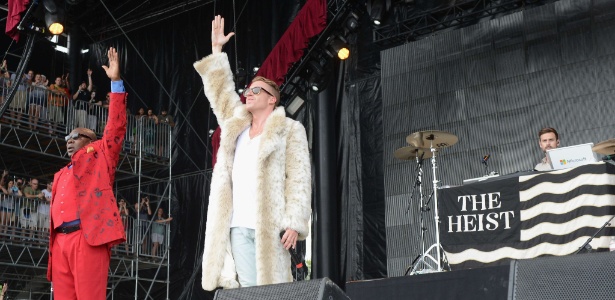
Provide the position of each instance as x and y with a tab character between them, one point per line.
586	246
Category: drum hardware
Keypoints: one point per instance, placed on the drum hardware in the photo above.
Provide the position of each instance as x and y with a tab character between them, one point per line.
605	147
432	140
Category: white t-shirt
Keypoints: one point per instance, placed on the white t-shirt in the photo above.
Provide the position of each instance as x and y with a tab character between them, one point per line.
43	208
244	180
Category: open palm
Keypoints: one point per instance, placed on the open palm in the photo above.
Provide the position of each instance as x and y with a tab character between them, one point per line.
218	38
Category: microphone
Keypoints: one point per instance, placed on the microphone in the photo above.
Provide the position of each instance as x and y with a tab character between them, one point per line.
486	158
609	157
297	260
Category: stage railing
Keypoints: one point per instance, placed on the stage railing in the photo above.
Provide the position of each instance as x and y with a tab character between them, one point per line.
24	220
42	110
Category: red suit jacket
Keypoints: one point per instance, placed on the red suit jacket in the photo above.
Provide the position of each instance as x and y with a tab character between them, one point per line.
94	172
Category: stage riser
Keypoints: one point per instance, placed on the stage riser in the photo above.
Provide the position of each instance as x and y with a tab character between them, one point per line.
581	276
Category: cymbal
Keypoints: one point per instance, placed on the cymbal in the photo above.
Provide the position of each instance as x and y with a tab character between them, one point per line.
605	147
431	138
411	153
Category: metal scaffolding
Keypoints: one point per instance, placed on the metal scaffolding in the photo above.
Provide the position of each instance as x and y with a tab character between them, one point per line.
144	169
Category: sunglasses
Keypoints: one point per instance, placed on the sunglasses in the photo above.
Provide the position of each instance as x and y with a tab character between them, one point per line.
76	136
255	90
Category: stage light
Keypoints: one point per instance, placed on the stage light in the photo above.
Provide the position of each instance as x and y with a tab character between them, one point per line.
61	49
341	49
377	10
52	17
295	105
336	46
352	21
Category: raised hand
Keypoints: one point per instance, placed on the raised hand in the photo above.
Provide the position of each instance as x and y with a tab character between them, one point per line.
113	70
218	39
89	72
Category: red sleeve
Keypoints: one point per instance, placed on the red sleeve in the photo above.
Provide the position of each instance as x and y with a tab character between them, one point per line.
113	136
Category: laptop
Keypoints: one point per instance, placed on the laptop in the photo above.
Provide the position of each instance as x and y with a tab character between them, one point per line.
570	157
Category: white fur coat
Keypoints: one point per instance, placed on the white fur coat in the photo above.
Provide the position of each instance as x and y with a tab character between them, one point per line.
283	183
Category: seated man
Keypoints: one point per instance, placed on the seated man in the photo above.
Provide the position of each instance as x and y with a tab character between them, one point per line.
547	139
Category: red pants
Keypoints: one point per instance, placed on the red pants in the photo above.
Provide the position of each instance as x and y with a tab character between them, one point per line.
79	271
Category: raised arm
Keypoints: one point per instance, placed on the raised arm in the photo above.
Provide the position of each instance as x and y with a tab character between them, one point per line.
217	76
90	85
115	130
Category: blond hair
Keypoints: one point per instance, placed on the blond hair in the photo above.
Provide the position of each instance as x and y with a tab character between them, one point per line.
271	83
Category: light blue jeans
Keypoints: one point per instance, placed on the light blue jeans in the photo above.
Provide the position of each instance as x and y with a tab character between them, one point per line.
242	246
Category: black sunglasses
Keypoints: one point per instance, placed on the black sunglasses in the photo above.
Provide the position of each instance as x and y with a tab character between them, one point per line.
75	136
255	90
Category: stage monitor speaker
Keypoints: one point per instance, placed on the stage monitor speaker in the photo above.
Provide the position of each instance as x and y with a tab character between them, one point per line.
316	289
580	276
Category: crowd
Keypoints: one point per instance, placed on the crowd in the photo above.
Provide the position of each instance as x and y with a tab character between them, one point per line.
51	108
25	213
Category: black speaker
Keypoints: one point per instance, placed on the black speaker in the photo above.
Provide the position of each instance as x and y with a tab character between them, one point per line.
317	289
580	276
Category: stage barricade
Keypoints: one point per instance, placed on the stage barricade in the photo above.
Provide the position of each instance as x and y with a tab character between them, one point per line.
544	214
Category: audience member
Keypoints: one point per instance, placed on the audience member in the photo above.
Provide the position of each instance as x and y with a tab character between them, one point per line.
57	101
124	214
18	105
80	98
142	215
92	111
43	208
158	230
36	100
32	194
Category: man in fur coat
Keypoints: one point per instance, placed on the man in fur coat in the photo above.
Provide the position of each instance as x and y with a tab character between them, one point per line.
261	183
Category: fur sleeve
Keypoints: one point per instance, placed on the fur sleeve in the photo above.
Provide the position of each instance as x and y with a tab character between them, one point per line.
219	86
298	188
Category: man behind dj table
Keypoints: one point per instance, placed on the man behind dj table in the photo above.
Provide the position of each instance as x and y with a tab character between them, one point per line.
547	139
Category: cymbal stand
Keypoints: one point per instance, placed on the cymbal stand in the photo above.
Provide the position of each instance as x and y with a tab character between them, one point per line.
420	261
435	198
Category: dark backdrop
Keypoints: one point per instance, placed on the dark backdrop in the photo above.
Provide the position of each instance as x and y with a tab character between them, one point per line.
494	85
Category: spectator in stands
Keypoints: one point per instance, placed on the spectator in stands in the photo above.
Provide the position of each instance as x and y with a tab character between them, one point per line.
163	133
142	216
5	81
58	99
92	111
140	114
7	205
159	230
150	132
43	208
18	105
36	100
33	196
103	109
125	214
80	98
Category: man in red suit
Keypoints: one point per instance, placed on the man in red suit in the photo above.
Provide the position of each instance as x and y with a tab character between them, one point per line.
85	221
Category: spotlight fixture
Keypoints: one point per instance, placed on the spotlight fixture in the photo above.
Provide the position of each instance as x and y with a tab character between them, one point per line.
352	21
377	10
336	46
295	105
52	17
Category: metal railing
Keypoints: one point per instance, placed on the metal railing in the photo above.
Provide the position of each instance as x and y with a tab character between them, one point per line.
42	110
24	220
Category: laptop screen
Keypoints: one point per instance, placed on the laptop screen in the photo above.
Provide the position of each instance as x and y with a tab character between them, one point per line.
570	157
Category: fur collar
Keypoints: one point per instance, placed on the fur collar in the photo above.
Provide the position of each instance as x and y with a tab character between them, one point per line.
273	136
